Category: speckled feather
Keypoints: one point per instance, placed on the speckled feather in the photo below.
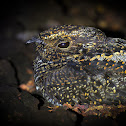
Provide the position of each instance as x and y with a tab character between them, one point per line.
79	65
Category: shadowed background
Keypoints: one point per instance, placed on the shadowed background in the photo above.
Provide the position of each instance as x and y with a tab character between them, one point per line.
21	20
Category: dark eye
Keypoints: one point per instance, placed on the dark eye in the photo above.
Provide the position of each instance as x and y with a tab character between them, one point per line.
64	45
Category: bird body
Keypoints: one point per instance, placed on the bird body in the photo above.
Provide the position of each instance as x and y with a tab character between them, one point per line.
79	65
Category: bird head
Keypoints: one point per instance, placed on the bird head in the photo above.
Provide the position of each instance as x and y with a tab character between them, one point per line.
68	43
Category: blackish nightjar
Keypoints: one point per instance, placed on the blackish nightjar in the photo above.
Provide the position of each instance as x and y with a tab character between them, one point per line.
80	67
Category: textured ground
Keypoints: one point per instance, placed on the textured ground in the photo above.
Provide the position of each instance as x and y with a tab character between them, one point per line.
25	19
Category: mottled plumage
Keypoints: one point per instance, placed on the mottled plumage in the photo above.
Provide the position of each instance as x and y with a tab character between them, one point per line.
79	65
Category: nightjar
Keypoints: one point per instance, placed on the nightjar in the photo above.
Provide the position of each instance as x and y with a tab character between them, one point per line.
80	66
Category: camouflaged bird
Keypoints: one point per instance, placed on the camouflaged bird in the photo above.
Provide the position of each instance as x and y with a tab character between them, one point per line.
79	67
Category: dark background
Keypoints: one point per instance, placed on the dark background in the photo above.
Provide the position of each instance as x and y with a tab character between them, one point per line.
19	21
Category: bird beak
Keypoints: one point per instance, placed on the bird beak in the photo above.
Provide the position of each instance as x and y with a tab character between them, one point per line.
34	39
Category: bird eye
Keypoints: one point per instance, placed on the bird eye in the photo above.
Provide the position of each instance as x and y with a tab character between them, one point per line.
64	45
